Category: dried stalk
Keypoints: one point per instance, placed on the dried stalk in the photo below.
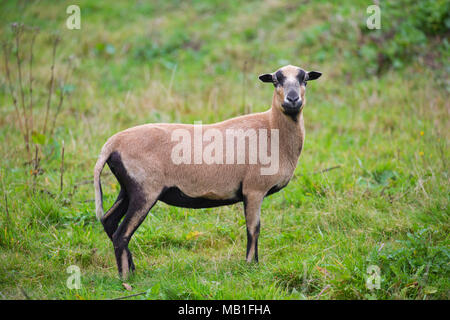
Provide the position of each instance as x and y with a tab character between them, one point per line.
50	89
11	89
25	294
61	97
327	169
130	296
35	165
6	200
244	89
18	29
62	169
33	38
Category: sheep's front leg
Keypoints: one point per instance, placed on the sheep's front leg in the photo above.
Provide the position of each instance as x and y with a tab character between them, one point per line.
252	210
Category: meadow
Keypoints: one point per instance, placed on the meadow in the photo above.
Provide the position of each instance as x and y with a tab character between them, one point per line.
371	187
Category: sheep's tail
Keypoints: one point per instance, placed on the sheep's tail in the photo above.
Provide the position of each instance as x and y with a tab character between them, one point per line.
104	155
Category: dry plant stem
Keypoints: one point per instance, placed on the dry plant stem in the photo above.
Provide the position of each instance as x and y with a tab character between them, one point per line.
35	165
244	80
18	32
130	296
327	169
27	297
62	169
11	89
6	199
6	205
323	290
50	89
61	98
31	80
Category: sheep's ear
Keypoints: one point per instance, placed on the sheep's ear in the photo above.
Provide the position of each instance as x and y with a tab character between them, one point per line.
313	75
266	77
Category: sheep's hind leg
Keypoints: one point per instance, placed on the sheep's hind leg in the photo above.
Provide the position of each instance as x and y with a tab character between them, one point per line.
113	216
139	205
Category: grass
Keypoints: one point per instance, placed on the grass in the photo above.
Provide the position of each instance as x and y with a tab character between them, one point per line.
385	203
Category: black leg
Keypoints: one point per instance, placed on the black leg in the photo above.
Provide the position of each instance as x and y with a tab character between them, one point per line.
113	216
138	208
252	210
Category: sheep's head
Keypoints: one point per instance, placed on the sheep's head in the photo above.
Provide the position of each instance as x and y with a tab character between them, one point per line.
290	86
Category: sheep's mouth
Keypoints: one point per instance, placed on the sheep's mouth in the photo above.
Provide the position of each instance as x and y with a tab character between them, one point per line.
290	108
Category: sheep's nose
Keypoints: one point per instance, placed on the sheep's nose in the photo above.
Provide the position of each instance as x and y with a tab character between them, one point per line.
292	98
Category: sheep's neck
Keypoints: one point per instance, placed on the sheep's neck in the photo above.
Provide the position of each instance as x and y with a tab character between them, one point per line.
291	130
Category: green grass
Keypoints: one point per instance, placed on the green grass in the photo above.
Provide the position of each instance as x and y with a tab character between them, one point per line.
181	61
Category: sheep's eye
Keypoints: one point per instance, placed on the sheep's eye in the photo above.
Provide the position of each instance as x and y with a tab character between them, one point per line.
279	77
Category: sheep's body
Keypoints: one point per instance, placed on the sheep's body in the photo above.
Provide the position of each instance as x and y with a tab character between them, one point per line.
145	152
141	159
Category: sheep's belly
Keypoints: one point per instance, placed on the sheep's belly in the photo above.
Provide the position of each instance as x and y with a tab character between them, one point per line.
175	197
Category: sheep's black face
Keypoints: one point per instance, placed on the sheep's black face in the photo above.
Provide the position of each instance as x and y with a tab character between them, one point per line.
290	87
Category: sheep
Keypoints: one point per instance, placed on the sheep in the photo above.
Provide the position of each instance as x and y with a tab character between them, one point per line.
152	162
